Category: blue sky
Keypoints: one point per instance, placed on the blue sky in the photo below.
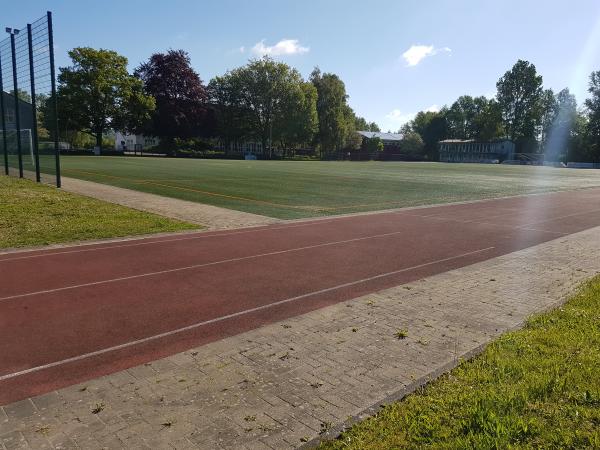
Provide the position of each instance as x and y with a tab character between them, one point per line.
396	57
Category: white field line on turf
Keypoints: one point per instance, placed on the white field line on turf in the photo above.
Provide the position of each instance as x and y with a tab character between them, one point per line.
198	266
230	316
137	244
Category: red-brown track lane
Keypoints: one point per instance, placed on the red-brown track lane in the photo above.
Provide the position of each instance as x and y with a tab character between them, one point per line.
224	283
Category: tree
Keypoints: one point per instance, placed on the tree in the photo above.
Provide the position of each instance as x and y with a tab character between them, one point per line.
181	98
268	101
96	93
372	145
360	124
462	116
519	93
337	123
593	106
432	127
412	144
560	137
298	121
488	123
232	119
548	109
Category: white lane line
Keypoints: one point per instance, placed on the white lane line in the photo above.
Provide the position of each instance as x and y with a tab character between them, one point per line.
137	244
230	316
198	266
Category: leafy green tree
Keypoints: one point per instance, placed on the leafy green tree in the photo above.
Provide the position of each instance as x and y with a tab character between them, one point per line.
412	144
96	93
372	145
337	122
432	127
232	118
298	122
548	109
519	94
272	100
462	116
593	106
360	124
560	135
488	123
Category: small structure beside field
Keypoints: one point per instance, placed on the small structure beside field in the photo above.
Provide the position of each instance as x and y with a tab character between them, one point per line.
471	151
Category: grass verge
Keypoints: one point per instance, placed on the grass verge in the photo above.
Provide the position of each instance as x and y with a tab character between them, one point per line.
35	214
538	387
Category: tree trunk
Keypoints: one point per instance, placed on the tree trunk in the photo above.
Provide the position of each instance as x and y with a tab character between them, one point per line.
99	139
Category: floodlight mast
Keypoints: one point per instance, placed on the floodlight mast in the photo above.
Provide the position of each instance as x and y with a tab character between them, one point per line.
12	32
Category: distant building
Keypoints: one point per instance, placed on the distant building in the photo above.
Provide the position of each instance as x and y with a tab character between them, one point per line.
391	141
471	151
243	148
134	142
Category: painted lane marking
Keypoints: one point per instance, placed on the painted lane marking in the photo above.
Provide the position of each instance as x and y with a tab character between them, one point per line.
197	266
230	316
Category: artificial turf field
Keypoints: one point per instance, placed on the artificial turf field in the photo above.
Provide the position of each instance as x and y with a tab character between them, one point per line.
296	189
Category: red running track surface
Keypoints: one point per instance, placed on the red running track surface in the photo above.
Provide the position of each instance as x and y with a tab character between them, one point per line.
71	314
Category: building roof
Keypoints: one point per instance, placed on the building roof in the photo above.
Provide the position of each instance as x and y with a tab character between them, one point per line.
471	141
382	136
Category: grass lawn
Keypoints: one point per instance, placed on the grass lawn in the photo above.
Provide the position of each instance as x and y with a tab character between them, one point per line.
293	189
538	387
36	214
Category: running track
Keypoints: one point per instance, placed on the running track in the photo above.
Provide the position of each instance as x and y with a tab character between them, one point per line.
71	314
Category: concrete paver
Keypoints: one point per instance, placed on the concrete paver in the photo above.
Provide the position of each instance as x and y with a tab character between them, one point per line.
286	384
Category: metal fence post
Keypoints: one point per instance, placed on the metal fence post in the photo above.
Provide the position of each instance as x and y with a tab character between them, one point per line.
16	95
54	99
3	121
34	126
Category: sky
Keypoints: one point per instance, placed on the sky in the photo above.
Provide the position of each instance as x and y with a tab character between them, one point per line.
397	57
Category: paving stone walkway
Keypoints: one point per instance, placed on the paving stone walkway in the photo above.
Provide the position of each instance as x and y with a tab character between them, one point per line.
212	217
289	384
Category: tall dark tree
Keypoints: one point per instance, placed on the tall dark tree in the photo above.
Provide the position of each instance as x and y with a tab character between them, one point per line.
96	93
519	93
181	98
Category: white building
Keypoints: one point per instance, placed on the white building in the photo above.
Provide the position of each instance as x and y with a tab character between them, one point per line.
134	142
471	151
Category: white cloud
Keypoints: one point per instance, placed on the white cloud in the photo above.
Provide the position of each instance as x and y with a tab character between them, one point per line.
242	49
283	47
399	117
417	53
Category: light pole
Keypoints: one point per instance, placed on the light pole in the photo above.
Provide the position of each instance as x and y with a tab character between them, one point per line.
13	32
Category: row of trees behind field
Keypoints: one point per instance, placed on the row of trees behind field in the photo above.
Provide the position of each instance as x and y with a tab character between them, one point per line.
270	102
538	120
264	101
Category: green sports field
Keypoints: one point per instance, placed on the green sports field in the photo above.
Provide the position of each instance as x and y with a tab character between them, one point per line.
295	189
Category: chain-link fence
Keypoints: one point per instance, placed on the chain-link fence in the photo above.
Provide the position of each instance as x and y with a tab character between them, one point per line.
29	127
